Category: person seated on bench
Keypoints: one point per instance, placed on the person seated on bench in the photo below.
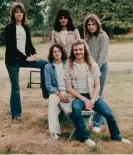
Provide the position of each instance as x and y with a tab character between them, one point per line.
82	81
20	53
55	84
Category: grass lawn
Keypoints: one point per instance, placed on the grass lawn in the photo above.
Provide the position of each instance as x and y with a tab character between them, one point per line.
32	136
120	52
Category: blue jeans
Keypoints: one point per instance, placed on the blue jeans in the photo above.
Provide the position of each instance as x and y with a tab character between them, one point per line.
40	64
102	108
13	71
98	120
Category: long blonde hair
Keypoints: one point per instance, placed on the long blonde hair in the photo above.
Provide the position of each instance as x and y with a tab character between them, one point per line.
87	56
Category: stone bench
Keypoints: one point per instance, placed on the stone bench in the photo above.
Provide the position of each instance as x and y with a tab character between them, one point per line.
67	110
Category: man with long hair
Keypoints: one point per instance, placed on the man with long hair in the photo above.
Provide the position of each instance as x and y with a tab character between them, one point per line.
83	83
98	41
20	53
64	31
54	77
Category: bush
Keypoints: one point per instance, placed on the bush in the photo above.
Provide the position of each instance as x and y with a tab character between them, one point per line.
123	37
44	32
37	33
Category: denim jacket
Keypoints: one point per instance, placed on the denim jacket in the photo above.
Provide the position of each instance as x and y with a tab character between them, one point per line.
51	77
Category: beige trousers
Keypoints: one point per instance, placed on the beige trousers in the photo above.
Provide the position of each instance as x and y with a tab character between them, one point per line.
53	112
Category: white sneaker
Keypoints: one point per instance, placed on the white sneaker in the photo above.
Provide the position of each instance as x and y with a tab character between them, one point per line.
90	143
126	141
96	129
55	136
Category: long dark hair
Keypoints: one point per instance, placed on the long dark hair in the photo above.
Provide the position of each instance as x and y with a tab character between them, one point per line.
62	50
18	6
87	56
63	12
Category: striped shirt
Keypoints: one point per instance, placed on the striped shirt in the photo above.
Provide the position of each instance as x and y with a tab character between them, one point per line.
99	48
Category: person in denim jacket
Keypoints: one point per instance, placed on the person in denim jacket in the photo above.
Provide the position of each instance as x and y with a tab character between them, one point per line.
98	41
54	77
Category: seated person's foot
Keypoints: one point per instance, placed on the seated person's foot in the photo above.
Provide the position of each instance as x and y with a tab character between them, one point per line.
90	143
17	118
96	129
126	141
54	136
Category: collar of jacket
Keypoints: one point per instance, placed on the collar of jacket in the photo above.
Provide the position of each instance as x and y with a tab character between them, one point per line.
23	25
64	63
58	33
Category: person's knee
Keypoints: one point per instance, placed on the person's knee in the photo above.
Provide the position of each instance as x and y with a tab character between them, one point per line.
53	100
43	63
16	90
76	111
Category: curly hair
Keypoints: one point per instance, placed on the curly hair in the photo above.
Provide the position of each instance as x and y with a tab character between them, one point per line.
18	6
87	56
63	12
62	50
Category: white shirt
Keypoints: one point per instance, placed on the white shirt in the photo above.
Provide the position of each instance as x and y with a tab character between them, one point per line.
21	38
81	75
60	77
63	36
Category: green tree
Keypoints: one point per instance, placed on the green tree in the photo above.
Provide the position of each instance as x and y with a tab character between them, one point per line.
4	11
51	8
113	13
33	8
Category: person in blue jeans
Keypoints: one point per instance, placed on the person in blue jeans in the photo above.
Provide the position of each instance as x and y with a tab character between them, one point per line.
98	41
20	53
82	76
